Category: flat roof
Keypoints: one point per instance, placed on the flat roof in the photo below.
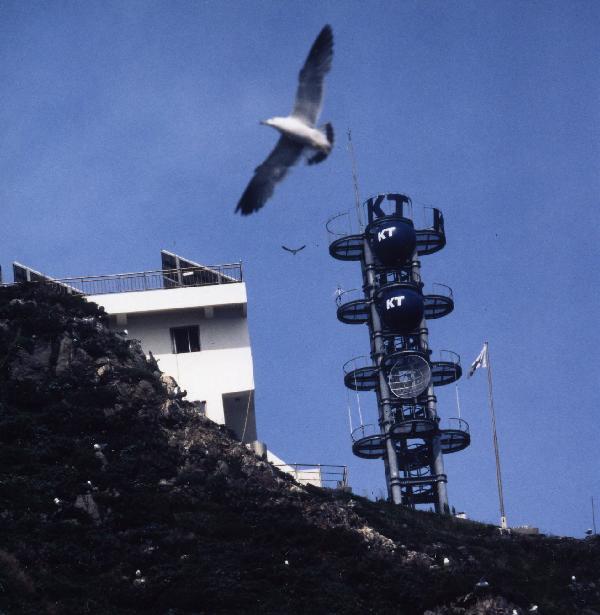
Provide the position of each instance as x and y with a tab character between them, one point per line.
172	298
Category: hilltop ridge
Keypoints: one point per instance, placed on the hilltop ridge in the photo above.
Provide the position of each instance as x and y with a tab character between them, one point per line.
117	496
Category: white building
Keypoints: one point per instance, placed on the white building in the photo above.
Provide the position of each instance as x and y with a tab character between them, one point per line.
193	319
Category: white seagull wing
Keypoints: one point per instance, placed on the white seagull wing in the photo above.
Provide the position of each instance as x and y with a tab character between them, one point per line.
268	174
309	96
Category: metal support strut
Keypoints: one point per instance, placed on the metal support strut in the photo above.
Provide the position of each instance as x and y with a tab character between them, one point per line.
383	389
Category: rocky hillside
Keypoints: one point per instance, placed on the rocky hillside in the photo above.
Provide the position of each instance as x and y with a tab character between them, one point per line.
116	496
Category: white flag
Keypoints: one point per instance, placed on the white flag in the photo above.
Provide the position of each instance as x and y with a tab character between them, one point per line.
480	361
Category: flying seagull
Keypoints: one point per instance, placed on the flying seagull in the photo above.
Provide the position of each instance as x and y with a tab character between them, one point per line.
299	132
294	251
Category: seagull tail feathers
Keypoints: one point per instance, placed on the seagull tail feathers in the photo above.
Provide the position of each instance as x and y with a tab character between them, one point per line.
329	133
321	155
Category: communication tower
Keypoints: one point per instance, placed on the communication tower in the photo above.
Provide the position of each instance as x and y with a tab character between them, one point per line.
400	369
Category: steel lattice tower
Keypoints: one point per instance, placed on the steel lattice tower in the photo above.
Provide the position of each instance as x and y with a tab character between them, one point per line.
400	370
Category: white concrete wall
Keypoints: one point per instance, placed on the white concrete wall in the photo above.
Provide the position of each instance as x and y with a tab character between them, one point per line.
224	363
208	374
227	329
172	298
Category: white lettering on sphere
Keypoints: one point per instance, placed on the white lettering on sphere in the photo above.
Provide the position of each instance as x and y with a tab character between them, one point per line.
390	304
385	232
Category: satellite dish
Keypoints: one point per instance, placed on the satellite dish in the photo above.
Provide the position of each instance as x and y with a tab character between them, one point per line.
409	376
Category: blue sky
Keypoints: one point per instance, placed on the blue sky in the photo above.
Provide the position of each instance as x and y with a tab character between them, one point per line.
128	127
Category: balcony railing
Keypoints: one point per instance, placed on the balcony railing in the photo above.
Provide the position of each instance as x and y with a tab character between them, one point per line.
319	475
148	280
365	431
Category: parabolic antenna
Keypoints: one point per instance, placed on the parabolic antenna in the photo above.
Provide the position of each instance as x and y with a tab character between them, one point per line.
409	376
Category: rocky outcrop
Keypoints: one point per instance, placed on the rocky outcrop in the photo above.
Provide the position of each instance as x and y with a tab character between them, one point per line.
117	496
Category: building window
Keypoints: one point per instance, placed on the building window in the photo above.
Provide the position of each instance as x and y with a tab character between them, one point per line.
185	339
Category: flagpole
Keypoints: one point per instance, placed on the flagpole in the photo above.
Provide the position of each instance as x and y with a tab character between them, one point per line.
593	516
503	523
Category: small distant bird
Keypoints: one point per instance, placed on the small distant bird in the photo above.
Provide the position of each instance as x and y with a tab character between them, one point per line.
534	608
299	132
294	251
482	584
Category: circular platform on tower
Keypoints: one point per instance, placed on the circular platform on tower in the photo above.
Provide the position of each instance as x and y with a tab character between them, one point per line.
368	442
440	303
433	238
446	370
360	374
455	437
353	308
429	241
346	242
348	248
369	447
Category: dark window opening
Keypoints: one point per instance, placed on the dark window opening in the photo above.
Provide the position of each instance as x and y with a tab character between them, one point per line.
185	339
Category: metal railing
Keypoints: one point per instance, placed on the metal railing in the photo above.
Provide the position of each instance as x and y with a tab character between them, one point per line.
441	289
448	356
361	362
346	223
365	431
456	424
150	280
346	296
320	475
342	224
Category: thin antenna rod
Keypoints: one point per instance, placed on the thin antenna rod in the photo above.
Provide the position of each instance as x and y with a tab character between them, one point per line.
593	516
358	398
457	400
359	410
349	411
355	179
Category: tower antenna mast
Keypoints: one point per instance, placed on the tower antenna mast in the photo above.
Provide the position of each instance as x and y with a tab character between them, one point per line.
355	180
